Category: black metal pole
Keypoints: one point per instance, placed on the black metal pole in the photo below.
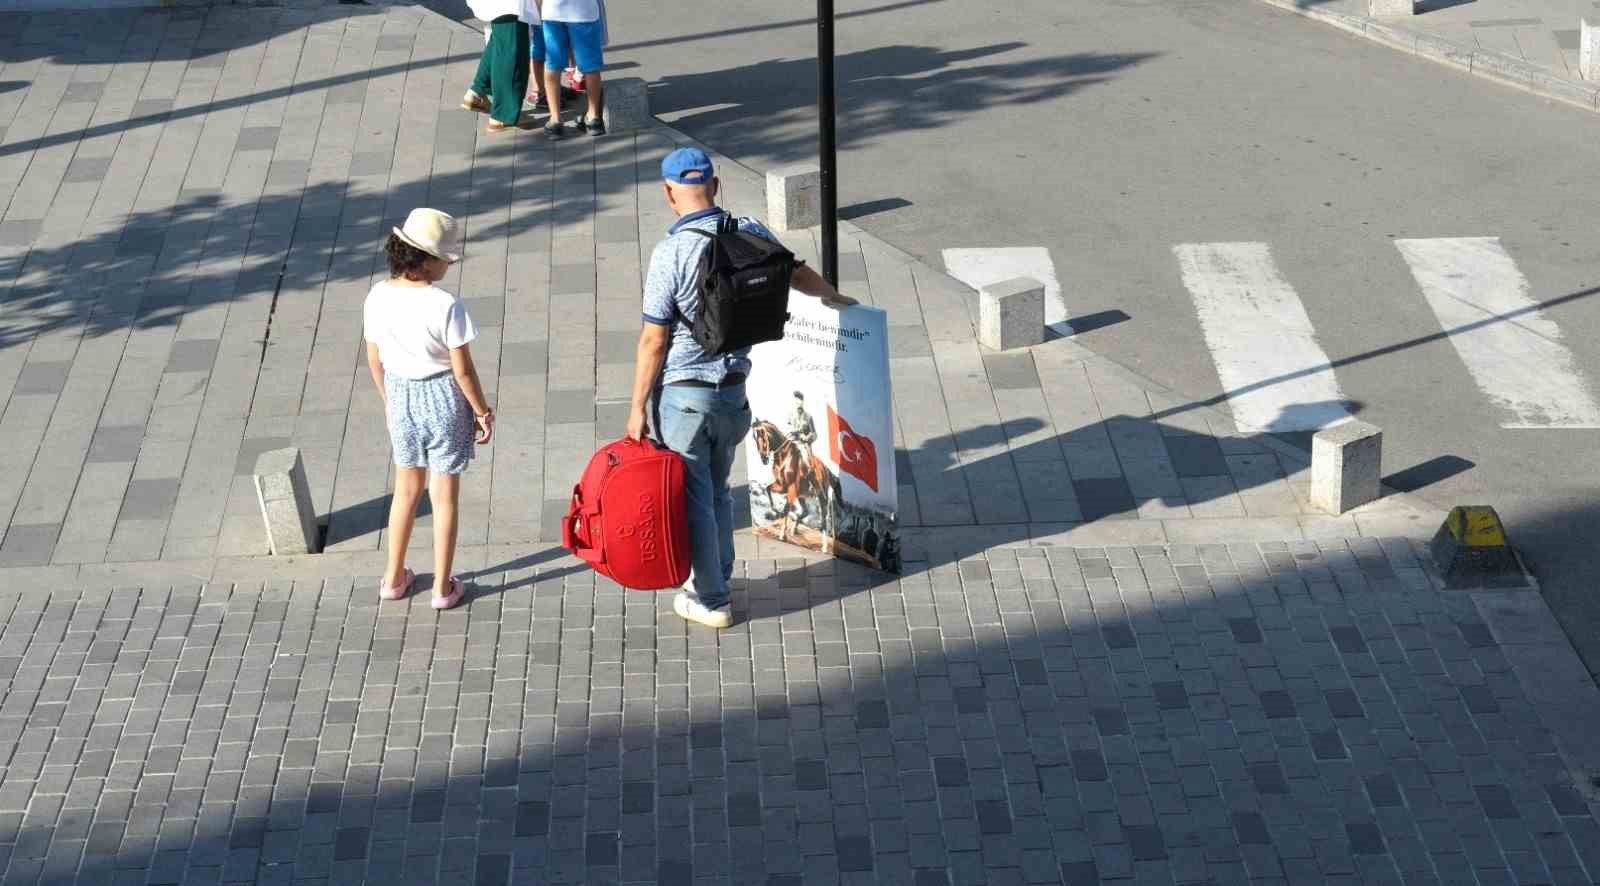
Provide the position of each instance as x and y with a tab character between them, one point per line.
827	143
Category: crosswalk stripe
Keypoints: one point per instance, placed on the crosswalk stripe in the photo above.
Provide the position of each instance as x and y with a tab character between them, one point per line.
1514	352
1275	377
983	266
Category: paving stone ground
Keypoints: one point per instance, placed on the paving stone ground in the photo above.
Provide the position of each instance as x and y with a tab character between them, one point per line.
1124	648
1211	714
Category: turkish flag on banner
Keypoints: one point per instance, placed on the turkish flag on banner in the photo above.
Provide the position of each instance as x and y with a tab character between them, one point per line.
853	453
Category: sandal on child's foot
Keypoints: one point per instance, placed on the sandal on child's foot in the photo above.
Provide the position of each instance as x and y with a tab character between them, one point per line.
457	591
399	590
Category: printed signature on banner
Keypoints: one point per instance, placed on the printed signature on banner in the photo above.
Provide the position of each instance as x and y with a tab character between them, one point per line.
814	369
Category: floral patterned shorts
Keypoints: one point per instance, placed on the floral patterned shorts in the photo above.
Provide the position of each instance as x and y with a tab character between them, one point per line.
430	423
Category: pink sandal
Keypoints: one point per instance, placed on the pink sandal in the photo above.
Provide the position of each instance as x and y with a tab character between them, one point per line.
400	590
457	591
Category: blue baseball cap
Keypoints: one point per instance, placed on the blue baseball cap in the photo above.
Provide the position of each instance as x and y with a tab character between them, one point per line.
687	166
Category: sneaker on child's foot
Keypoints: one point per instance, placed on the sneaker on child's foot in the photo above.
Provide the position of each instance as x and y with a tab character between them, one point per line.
693	610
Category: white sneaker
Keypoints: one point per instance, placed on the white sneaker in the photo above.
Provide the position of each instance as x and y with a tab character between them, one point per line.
692	609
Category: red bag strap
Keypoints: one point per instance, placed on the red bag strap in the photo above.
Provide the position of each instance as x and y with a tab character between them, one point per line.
569	530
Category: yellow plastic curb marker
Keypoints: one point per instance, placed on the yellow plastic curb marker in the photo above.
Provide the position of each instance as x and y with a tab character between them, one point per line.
1476	526
1471	551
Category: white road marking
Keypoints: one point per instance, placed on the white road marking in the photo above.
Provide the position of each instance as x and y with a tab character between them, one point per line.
1275	376
981	267
1514	352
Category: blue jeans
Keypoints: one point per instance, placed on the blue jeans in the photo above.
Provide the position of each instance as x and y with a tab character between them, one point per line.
705	425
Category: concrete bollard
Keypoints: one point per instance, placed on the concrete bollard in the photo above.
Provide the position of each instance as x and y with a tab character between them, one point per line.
794	198
285	499
627	104
1011	314
1391	8
1346	466
1589	50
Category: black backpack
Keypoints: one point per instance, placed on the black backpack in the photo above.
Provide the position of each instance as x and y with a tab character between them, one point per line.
743	284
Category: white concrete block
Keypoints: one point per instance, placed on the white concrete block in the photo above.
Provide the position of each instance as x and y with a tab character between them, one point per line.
794	198
627	104
1391	8
1011	314
285	499
1346	466
1589	49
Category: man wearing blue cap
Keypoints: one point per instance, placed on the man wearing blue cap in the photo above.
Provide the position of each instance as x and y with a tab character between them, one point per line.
702	412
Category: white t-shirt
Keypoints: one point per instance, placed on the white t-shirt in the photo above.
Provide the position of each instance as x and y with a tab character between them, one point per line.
487	11
571	10
415	327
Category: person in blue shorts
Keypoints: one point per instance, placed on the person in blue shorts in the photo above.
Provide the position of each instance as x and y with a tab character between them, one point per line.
535	101
575	29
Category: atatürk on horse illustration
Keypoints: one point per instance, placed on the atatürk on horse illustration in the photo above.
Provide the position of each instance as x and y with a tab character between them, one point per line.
798	474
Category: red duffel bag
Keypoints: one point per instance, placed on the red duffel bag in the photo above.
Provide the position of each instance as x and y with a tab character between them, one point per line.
629	517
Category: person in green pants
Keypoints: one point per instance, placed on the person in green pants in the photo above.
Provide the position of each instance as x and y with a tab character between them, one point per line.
502	77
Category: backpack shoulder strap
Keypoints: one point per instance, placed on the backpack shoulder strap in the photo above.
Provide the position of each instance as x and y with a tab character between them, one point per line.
728	224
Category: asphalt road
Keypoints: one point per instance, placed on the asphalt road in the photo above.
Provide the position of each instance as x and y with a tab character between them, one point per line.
1112	131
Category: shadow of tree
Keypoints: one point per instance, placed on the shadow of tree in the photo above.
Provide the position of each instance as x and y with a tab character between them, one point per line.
156	266
882	91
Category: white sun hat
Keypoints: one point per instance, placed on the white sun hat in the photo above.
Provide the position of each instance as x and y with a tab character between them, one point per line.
434	232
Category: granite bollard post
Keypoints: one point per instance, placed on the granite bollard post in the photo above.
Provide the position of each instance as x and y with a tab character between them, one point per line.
794	198
285	499
1011	314
627	104
1346	466
1589	49
1391	8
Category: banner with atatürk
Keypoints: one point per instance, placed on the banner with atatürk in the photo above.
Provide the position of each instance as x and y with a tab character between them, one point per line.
821	448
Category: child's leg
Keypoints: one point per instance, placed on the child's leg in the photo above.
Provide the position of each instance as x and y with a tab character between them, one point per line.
552	91
557	44
535	60
443	492
408	483
595	90
588	50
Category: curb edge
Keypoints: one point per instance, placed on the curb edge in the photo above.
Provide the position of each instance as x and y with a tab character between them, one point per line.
1494	66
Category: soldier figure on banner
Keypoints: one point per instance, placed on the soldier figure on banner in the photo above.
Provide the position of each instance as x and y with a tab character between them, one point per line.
801	429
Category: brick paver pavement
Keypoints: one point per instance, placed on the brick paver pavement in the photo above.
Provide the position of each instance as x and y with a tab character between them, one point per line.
1125	648
1217	714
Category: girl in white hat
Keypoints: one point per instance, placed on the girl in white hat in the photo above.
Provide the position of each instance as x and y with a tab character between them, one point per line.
417	336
